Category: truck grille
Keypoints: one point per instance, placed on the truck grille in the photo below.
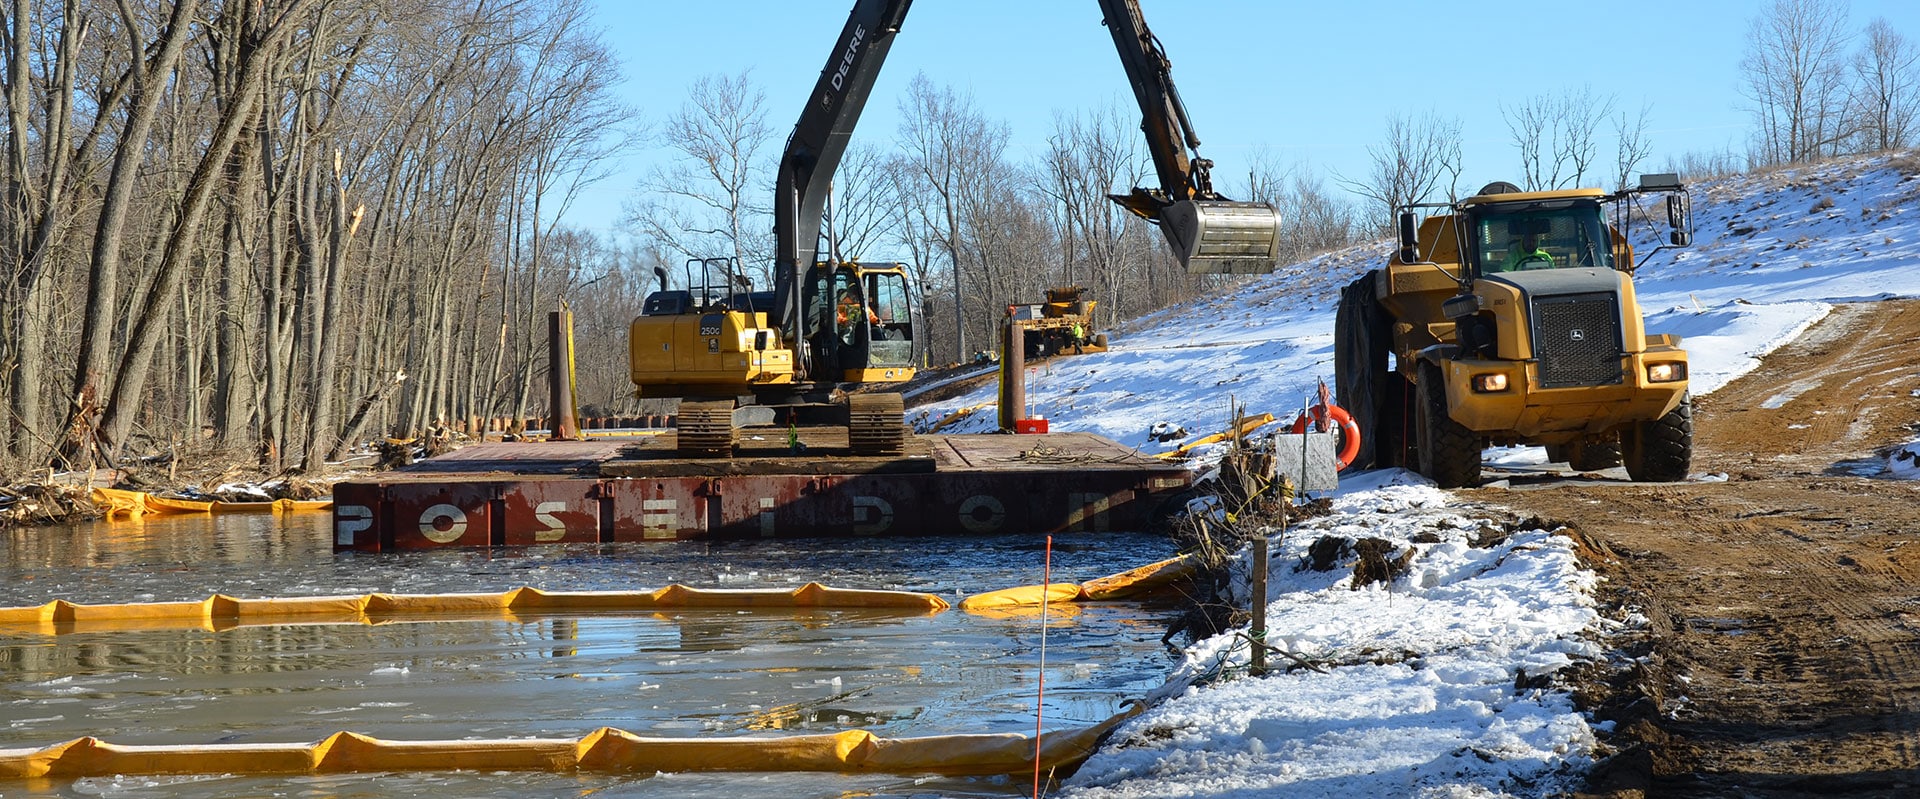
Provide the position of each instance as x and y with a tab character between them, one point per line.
1576	338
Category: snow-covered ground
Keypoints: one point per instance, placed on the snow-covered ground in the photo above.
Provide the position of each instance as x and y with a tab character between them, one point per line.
1423	700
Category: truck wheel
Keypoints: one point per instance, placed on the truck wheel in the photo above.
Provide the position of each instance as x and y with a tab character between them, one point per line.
1393	425
1660	451
1449	452
1592	456
1362	332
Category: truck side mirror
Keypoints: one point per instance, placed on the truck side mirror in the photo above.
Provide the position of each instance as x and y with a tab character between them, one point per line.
1679	220
1409	239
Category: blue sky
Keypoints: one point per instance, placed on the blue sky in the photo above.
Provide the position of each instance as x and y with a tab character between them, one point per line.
1307	83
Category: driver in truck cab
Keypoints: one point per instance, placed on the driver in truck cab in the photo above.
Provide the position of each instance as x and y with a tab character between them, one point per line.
1527	255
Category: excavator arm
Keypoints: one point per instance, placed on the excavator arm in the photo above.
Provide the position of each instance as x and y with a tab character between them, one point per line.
813	151
1209	233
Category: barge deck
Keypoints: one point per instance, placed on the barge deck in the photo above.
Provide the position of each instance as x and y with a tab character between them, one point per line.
522	493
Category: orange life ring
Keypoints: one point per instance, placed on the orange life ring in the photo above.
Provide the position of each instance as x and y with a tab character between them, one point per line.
1349	432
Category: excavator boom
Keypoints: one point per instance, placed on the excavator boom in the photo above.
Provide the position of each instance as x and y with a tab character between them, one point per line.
814	148
1210	234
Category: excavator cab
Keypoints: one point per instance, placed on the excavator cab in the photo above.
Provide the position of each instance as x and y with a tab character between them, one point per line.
863	331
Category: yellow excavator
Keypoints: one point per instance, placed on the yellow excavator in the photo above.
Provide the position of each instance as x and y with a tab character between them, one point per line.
736	357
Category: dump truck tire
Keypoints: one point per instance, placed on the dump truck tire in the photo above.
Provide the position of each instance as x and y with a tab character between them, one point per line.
1660	451
1394	424
1449	452
1361	341
1592	456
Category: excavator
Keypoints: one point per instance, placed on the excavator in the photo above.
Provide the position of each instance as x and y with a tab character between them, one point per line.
737	357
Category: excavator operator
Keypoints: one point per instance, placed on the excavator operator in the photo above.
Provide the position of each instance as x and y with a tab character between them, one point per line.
848	311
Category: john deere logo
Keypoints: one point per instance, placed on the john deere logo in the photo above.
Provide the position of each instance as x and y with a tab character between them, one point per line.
1577	335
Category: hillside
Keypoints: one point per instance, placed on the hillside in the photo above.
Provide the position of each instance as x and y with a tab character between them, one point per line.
1772	252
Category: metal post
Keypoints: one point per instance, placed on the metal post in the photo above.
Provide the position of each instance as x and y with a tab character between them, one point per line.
563	426
1258	631
1013	375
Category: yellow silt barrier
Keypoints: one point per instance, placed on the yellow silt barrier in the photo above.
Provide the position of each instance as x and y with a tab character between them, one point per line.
221	612
414	605
346	751
117	503
1022	596
1132	582
275	506
604	750
1140	580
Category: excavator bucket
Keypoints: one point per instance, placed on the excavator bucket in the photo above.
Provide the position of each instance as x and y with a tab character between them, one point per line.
1219	237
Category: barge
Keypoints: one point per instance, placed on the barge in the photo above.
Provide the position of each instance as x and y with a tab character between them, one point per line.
778	486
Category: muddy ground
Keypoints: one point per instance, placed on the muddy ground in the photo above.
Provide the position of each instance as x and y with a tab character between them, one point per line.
1773	644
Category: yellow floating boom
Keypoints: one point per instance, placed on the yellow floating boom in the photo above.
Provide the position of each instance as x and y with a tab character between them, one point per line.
604	750
221	612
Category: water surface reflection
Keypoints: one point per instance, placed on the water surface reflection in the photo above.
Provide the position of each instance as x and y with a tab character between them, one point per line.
683	673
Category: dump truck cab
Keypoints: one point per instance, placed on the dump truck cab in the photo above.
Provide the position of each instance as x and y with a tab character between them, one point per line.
1512	319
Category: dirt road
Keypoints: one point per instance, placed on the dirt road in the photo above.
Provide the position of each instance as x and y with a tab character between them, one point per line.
1775	617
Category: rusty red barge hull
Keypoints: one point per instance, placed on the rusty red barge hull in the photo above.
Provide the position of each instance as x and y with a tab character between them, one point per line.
516	494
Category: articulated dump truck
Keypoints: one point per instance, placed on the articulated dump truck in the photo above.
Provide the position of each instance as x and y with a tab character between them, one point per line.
1511	319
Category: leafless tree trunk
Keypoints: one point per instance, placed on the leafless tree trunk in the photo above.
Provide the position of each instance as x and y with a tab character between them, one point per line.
1554	134
37	205
148	79
952	149
1886	72
135	365
1631	145
702	205
1419	158
1087	159
1794	71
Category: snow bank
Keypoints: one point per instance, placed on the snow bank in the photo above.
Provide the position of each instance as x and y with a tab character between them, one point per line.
1419	692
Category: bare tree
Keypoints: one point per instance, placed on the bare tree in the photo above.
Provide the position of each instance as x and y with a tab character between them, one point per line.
703	203
954	152
1420	157
1631	145
1313	219
1794	72
1088	158
864	205
1554	133
148	77
1886	73
38	204
143	337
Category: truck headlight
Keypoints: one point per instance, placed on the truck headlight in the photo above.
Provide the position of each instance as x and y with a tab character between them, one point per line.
1489	383
1666	372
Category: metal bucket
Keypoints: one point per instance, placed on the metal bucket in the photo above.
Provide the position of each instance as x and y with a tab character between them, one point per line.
1216	237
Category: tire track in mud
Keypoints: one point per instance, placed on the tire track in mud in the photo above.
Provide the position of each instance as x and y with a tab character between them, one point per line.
1780	655
1859	357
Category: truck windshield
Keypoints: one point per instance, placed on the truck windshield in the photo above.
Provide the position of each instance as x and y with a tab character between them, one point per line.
1532	237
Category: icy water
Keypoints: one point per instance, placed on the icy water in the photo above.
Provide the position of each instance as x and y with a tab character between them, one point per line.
683	673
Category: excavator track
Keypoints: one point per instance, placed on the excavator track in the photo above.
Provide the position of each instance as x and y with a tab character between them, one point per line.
706	429
876	424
